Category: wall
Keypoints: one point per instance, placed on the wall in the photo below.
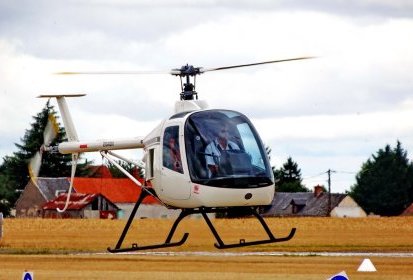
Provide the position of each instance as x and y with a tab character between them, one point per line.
53	214
30	202
348	208
147	211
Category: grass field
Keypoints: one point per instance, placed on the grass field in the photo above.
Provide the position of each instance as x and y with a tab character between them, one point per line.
51	249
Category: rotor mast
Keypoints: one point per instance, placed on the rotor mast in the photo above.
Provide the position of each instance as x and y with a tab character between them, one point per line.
187	71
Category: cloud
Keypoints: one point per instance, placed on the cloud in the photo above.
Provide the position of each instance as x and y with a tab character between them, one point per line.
329	112
122	29
372	125
360	68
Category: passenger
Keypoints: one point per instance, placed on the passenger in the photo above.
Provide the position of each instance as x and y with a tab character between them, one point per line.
172	157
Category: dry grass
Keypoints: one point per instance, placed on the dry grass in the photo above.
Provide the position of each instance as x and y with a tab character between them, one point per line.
45	246
197	267
313	234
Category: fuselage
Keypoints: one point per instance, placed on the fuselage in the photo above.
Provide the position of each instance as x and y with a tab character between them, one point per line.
196	158
190	165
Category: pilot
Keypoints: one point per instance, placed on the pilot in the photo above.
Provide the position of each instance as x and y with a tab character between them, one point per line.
215	150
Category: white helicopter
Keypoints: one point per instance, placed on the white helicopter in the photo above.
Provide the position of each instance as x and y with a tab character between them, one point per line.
198	160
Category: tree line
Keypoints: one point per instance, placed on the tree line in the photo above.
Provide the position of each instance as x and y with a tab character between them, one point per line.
384	185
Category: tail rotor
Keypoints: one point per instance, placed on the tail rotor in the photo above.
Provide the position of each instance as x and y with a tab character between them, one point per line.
49	134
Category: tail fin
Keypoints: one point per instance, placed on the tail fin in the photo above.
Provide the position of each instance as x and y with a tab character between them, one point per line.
64	111
70	132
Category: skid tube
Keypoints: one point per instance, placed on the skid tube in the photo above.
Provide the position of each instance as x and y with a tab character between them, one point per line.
186	212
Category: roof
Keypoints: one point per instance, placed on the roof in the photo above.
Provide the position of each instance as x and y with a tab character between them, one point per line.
299	201
49	187
99	171
312	205
408	211
117	190
77	201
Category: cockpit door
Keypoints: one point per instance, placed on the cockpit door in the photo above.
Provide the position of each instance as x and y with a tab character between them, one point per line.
174	179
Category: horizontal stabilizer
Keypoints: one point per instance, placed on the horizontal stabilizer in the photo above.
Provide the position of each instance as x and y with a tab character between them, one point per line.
61	95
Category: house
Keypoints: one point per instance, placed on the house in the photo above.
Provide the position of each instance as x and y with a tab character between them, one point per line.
347	207
34	196
81	206
124	193
408	211
120	191
313	204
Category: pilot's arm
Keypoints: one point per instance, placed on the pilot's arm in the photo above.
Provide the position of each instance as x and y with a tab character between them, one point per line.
211	157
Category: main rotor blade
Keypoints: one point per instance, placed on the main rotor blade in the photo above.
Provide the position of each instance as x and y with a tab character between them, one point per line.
187	70
202	70
113	72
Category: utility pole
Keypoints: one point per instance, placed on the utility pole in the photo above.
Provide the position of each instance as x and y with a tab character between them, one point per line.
329	190
1	225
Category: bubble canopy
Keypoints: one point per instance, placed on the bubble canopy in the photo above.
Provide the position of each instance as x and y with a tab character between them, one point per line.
223	149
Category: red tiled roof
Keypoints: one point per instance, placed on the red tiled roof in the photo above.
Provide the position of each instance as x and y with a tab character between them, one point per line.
77	201
117	190
408	211
98	171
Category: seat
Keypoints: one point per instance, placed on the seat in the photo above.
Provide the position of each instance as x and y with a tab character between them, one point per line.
199	158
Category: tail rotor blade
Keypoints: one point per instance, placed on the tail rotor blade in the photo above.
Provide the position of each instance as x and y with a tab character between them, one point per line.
34	166
51	130
49	134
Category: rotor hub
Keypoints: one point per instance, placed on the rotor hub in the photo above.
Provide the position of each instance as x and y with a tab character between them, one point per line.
188	87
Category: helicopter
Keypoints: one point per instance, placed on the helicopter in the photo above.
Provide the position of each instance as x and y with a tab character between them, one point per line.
198	160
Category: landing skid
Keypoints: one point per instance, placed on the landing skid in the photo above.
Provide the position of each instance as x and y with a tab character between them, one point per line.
186	212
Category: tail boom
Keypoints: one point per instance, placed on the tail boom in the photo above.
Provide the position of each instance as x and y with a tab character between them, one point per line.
100	145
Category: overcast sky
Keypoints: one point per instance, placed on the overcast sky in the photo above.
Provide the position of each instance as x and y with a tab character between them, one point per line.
332	112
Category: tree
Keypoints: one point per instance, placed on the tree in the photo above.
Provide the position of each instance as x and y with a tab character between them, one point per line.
14	169
288	177
7	194
384	184
131	168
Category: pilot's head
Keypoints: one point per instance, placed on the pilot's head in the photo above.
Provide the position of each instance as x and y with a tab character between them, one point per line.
222	132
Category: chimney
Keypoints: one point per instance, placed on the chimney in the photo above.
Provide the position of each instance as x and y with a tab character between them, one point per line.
318	190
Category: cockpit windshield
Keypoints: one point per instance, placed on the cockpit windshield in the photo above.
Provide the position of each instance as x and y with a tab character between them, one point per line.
224	150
